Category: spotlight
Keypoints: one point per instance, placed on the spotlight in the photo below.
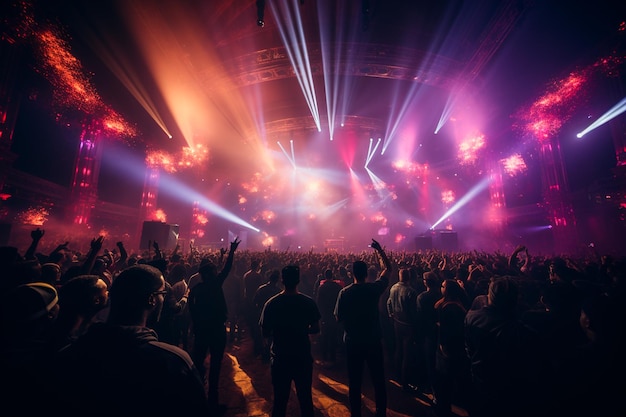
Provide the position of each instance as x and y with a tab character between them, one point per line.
260	23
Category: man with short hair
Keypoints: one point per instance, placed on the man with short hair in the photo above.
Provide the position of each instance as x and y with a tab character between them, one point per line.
357	309
209	313
402	309
288	318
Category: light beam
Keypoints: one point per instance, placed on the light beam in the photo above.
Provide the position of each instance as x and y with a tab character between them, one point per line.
615	111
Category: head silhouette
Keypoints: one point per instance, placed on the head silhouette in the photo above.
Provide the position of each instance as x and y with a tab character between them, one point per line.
291	276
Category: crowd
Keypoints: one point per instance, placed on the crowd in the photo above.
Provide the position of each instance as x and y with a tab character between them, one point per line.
115	332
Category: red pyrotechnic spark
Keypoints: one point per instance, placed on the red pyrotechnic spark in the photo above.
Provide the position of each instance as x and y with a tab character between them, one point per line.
546	115
161	159
514	164
190	157
186	158
71	88
201	219
35	216
115	123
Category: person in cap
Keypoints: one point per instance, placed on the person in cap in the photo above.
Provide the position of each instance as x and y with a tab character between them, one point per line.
120	368
288	318
28	314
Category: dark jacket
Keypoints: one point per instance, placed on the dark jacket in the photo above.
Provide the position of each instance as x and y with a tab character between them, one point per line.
126	371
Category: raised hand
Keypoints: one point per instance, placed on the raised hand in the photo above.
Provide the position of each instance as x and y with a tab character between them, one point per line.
234	244
376	245
37	234
96	243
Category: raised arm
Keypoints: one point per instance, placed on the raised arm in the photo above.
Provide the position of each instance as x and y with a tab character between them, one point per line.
387	268
96	245
229	259
36	235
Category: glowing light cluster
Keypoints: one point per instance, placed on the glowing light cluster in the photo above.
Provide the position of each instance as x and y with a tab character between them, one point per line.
35	216
447	197
157	215
546	115
514	165
268	240
409	167
71	87
253	185
186	158
379	218
469	147
116	124
201	218
268	216
190	157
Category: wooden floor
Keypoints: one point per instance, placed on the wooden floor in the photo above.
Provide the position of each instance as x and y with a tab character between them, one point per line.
246	390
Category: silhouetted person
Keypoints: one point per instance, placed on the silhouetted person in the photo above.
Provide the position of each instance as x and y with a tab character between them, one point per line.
80	299
452	373
357	309
427	338
264	293
288	319
402	309
252	280
209	312
502	353
119	368
326	298
27	317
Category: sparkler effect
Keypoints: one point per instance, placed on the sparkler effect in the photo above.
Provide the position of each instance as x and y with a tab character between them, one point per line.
469	148
546	115
35	216
72	89
615	111
514	165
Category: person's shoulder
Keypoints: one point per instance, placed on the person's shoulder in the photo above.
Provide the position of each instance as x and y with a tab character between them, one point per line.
173	352
306	297
274	298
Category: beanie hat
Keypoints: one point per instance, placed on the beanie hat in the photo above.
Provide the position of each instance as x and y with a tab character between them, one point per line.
29	302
